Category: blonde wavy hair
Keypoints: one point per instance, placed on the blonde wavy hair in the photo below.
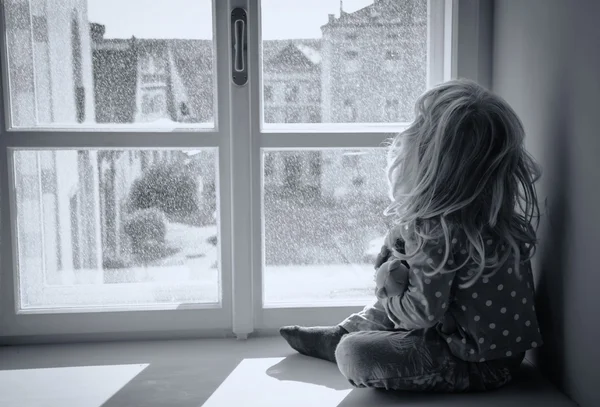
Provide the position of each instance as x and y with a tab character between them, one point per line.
462	165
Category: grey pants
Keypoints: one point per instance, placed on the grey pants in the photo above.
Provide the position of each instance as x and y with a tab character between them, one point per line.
375	355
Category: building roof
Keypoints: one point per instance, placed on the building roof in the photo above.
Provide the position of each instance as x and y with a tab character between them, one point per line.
385	11
294	56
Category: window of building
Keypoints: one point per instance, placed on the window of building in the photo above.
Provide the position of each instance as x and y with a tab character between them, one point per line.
392	110
293	116
350	112
268	93
393	55
291	93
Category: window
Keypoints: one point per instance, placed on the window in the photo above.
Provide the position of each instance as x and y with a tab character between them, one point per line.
392	55
314	94
316	164
350	113
314	117
351	55
292	116
392	60
269	164
291	93
145	192
268	93
392	110
153	103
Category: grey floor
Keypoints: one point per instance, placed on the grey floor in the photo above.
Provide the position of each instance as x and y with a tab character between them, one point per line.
222	372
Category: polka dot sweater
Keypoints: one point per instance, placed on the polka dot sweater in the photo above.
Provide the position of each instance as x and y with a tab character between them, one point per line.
492	319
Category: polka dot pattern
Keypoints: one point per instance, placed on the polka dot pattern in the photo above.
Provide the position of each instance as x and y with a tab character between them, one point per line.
493	315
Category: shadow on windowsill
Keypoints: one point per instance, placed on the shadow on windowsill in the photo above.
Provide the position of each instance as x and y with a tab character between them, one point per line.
305	369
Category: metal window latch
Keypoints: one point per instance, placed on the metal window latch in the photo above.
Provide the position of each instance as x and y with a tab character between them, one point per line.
239	46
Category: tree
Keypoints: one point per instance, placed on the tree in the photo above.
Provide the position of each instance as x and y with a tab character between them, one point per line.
170	187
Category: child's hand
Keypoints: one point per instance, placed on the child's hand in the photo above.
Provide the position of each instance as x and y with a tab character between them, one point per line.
382	257
391	278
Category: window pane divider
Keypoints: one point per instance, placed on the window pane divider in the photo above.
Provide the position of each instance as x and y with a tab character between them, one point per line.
116	140
322	140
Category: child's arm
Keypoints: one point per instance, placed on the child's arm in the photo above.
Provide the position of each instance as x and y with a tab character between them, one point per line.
426	299
391	278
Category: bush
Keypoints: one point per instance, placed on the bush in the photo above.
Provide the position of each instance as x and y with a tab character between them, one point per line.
146	225
170	187
114	262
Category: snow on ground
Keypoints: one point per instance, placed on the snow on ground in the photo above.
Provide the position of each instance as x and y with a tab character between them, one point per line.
318	283
194	283
190	276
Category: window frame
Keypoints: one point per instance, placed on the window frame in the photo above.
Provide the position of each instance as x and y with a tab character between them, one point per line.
239	112
76	324
268	137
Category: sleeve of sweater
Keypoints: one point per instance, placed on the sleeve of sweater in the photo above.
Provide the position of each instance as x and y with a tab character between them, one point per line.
426	298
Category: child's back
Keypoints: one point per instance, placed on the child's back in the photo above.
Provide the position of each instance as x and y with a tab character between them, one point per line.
454	307
491	319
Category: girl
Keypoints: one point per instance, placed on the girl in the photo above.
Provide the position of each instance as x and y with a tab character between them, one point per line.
454	309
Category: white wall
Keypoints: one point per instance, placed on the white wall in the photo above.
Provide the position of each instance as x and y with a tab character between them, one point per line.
546	63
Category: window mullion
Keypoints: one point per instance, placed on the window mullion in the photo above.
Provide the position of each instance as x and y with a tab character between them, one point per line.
242	179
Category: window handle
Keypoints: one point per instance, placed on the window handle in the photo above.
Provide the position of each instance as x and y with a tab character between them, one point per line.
239	46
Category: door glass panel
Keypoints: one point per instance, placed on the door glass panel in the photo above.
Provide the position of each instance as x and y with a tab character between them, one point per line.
110	63
324	225
356	61
112	228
